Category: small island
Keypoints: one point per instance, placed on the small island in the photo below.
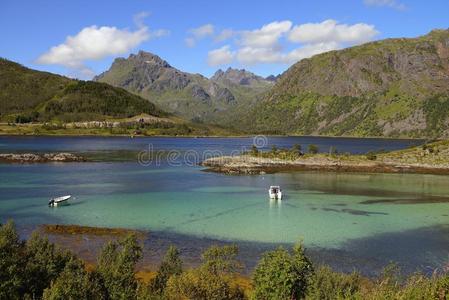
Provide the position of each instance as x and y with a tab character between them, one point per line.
432	158
40	158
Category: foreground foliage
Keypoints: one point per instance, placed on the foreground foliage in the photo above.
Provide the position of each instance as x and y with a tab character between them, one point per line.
37	269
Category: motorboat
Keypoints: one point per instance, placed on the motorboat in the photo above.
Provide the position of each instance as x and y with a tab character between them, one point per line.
275	192
59	201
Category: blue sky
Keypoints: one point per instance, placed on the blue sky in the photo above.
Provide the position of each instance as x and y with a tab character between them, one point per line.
265	37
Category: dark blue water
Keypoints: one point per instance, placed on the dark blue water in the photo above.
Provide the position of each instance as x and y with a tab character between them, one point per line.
226	145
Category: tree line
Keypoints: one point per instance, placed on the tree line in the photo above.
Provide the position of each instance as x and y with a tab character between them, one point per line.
38	269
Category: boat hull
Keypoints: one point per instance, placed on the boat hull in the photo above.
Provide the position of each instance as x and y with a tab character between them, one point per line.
60	201
275	196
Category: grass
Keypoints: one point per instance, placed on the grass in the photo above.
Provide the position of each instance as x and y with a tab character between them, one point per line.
173	129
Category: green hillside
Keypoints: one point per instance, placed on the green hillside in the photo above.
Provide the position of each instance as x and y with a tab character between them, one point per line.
394	87
29	95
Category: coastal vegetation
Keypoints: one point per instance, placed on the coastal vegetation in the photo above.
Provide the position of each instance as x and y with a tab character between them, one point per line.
162	128
38	269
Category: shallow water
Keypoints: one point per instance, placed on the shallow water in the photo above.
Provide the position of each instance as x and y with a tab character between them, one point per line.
358	218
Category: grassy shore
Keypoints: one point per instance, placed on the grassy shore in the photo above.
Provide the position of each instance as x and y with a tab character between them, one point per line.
172	129
430	158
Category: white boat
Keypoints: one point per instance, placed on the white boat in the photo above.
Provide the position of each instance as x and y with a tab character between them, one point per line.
59	200
275	192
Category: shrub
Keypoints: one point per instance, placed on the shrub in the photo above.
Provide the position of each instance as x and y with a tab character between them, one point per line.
371	155
297	149
329	285
12	262
116	266
201	284
75	283
281	275
254	150
44	263
171	265
221	260
419	286
313	149
212	280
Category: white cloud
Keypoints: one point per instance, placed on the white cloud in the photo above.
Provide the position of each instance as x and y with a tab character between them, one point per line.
95	43
224	35
267	36
198	34
309	51
190	42
140	18
389	3
220	56
203	31
330	31
266	44
252	56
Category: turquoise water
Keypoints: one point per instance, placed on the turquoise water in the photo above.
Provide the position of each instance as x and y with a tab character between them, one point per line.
322	209
366	215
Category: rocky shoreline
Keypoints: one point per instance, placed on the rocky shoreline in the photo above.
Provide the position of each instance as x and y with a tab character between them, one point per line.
40	158
250	165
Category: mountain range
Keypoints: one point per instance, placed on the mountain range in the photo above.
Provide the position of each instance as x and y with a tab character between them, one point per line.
191	96
388	88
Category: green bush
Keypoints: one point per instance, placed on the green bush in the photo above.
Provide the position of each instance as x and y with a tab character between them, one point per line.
116	265
213	280
297	149
281	275
44	263
12	262
171	265
313	149
330	285
254	150
76	283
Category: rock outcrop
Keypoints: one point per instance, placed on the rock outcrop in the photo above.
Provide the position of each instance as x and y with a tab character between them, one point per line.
40	158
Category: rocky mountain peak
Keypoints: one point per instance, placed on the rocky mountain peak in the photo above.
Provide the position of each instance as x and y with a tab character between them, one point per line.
236	76
272	78
143	57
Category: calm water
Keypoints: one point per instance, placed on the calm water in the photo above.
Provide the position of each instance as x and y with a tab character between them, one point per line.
345	219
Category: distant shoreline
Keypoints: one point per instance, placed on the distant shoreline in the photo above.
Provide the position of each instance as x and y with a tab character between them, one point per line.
427	159
243	135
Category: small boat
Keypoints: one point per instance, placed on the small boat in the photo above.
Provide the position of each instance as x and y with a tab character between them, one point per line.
275	192
59	201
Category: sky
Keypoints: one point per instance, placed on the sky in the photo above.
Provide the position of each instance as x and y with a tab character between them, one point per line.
81	38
